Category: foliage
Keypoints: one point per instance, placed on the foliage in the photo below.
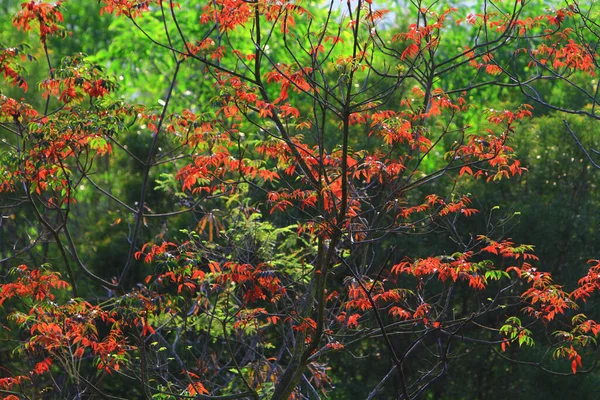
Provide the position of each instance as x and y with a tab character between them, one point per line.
231	201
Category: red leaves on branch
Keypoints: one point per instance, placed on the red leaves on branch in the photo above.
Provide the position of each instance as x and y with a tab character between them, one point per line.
76	79
46	16
43	366
35	284
9	383
460	268
589	283
128	8
10	67
11	110
196	388
576	361
256	283
571	55
62	332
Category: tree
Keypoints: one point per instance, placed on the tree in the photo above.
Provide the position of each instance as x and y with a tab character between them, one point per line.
266	230
558	54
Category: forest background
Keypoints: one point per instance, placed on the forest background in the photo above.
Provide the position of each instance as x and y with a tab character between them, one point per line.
259	204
